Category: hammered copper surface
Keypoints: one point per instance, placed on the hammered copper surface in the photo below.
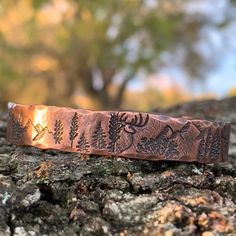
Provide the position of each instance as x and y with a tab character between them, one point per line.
119	133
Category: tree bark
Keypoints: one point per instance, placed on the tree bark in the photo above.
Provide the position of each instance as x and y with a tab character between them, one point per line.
56	193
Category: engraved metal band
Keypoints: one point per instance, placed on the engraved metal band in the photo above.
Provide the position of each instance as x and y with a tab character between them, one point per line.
118	133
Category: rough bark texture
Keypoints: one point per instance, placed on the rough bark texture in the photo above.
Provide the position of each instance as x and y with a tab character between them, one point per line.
56	193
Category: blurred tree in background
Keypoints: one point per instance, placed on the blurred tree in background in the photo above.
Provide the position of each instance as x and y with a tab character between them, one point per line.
51	50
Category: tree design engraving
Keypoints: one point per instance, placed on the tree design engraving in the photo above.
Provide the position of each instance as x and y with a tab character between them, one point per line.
115	128
210	144
82	144
202	144
99	137
119	123
225	144
18	129
74	128
164	144
58	131
216	145
225	140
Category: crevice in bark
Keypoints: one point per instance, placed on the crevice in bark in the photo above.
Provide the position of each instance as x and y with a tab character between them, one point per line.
11	225
47	195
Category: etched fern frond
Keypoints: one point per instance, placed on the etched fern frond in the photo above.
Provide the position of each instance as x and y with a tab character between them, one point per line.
74	128
58	131
115	128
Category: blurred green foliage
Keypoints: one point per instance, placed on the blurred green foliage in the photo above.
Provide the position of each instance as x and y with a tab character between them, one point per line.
65	48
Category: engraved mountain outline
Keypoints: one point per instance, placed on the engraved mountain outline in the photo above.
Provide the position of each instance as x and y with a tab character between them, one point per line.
38	128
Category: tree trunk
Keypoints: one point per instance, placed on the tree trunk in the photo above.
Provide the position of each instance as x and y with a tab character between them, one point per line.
117	101
51	192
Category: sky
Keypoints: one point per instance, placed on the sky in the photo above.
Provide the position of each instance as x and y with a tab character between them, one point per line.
219	83
224	78
214	44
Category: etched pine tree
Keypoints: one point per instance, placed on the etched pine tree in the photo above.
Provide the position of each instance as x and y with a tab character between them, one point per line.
58	131
209	140
74	128
202	143
82	144
216	145
99	137
18	128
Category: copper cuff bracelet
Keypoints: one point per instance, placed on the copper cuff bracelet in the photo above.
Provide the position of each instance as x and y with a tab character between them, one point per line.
120	133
